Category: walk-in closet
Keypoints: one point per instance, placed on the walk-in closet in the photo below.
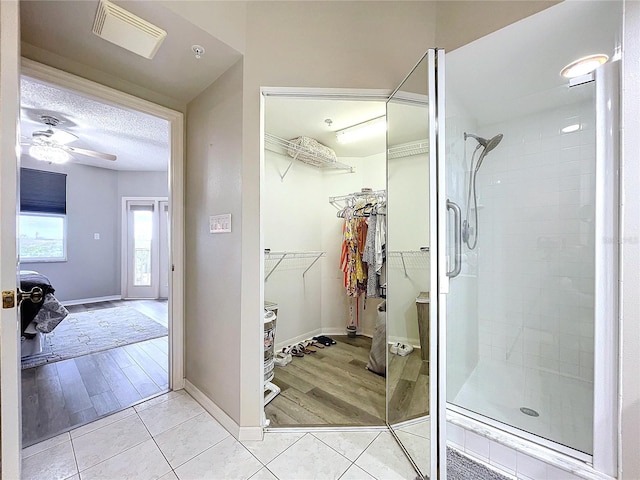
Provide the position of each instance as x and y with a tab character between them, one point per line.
345	228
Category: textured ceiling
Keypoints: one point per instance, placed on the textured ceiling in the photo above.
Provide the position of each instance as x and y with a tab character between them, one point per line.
140	141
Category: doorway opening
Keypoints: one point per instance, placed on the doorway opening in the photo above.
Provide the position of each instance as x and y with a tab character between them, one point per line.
114	348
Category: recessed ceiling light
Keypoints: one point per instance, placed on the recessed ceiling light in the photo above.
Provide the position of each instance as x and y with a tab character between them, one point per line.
584	65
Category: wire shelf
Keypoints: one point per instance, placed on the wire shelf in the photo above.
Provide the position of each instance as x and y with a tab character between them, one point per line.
408	149
278	257
314	158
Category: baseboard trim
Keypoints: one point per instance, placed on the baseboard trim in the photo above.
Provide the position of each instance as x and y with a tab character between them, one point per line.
315	333
80	301
238	432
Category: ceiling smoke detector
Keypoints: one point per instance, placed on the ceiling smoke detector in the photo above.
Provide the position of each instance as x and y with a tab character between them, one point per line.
198	50
118	26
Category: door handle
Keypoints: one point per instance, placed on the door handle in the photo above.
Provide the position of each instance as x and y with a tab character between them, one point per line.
457	239
35	295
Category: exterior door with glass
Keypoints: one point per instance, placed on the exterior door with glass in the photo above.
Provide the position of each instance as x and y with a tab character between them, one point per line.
141	247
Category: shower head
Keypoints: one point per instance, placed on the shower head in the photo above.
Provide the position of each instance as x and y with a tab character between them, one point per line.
488	145
492	143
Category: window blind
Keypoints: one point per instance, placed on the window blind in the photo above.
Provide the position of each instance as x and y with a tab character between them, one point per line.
43	192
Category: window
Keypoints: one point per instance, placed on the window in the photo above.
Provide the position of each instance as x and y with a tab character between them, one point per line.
42	237
43	219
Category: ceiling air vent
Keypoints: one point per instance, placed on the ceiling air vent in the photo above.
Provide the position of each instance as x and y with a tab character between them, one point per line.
126	30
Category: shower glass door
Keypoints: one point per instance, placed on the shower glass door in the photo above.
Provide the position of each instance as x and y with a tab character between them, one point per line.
521	165
411	328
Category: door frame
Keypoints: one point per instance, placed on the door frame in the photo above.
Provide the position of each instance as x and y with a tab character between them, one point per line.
10	387
124	250
101	93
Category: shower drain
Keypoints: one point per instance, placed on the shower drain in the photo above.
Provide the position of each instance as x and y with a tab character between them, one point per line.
529	411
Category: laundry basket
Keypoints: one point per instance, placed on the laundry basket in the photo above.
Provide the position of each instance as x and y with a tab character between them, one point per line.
271	390
269	343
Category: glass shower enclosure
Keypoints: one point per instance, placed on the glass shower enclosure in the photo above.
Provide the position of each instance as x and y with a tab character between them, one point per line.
531	305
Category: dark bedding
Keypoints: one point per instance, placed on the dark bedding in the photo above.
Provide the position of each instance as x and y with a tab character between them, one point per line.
28	309
42	316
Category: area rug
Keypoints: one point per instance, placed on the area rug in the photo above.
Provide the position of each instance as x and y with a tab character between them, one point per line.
94	331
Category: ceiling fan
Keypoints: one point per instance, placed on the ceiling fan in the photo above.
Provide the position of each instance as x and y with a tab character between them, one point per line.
52	145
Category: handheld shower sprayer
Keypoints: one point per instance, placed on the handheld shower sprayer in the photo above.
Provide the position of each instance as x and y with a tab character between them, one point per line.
469	232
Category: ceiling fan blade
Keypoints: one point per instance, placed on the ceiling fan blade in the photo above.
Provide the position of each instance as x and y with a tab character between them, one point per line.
90	153
63	137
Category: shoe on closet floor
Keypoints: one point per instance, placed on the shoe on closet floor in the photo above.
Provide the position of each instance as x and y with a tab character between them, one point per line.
404	350
282	359
401	349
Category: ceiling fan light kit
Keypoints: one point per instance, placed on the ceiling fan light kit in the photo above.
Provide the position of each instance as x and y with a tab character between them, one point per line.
118	26
49	153
51	145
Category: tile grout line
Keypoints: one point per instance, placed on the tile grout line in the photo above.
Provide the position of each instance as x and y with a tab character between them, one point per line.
156	443
266	464
353	462
113	456
75	459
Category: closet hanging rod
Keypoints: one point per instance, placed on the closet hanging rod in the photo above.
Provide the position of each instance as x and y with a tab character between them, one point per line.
269	255
373	193
353	197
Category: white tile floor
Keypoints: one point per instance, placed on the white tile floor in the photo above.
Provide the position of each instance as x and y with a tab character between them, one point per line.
172	437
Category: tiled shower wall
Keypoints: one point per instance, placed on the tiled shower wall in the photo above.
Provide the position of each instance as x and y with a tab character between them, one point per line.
535	255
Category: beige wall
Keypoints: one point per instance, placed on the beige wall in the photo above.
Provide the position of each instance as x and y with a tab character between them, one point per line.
461	22
212	297
311	44
223	19
630	247
292	44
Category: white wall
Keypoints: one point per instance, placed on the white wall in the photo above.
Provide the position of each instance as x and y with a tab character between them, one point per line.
92	268
462	316
408	230
630	246
299	218
536	243
292	223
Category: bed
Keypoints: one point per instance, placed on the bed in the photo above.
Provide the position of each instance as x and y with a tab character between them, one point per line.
41	317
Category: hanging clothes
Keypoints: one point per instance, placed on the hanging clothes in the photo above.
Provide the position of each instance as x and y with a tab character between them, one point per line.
354	233
380	237
369	257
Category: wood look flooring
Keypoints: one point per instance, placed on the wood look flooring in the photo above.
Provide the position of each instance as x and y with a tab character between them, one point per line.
60	396
333	387
408	387
329	387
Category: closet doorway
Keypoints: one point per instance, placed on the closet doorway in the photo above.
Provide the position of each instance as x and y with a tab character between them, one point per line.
320	197
309	179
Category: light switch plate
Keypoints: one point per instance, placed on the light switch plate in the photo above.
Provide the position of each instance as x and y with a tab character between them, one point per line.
220	223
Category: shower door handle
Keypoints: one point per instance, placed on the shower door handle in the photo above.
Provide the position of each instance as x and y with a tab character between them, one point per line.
457	239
